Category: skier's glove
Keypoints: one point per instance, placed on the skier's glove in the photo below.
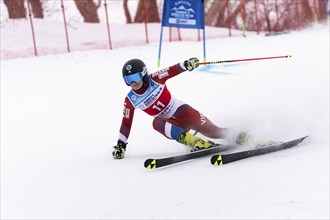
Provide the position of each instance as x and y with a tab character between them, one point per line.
119	150
191	64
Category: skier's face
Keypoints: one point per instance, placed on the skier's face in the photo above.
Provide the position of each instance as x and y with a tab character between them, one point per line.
137	86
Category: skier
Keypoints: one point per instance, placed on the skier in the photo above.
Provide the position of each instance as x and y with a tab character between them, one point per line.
172	117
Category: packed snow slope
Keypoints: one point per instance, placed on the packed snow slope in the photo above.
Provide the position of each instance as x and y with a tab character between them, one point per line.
60	116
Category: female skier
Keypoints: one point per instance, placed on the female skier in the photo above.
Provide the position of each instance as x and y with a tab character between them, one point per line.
172	117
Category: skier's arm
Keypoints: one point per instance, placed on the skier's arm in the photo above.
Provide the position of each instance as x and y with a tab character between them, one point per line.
125	128
162	75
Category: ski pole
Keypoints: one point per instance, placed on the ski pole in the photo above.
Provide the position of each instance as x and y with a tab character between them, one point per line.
240	60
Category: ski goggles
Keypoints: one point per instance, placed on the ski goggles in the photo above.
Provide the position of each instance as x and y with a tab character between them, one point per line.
135	77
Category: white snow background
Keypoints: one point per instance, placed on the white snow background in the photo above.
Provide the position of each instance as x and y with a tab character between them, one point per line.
60	117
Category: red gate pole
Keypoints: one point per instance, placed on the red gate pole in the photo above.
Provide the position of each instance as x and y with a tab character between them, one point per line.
228	18
108	25
33	36
65	27
257	19
145	20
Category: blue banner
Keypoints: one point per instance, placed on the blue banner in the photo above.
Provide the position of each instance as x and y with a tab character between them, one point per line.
183	14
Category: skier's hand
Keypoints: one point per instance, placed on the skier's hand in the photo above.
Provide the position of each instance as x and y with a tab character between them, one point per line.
119	150
191	64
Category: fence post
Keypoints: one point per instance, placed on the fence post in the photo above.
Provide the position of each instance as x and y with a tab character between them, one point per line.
145	20
198	35
33	36
315	11
257	18
170	34
179	34
228	18
297	14
242	5
277	21
108	25
65	27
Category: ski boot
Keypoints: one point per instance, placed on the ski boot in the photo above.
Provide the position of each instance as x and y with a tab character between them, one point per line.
243	138
194	142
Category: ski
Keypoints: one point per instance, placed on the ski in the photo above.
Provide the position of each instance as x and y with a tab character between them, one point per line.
162	162
221	159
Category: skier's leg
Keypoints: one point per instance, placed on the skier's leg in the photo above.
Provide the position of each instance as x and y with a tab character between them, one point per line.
172	130
190	118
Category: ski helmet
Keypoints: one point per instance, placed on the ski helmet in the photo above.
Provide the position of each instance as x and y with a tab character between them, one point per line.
134	70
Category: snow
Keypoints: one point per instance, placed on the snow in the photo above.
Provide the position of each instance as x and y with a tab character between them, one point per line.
60	116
